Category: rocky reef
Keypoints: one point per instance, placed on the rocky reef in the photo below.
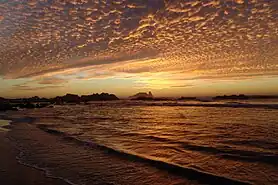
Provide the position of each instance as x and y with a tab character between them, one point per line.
142	96
37	102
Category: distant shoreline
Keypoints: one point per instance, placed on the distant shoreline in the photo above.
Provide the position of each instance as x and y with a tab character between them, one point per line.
37	102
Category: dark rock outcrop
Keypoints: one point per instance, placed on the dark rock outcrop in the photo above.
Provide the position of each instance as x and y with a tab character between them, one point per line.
232	97
99	97
187	98
4	106
37	102
72	98
57	100
142	96
68	98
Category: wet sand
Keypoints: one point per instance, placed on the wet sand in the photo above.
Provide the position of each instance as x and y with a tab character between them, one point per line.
70	147
13	173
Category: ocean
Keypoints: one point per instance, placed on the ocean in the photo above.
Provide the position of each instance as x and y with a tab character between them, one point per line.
157	143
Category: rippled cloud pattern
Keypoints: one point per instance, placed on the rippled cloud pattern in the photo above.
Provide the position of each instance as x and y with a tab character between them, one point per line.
207	38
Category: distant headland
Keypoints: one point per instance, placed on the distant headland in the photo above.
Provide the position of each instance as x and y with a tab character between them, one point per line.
73	98
37	102
142	96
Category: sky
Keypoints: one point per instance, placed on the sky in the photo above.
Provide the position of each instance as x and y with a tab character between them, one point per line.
170	47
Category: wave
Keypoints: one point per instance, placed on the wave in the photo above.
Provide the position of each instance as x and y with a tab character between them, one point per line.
255	142
219	105
188	172
243	155
228	153
44	170
208	104
235	104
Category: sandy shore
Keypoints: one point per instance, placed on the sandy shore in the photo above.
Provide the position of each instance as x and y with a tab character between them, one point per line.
13	173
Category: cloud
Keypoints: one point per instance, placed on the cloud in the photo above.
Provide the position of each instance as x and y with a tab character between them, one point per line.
182	86
52	80
40	84
32	88
201	39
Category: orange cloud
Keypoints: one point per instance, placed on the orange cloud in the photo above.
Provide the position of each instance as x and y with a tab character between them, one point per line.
197	39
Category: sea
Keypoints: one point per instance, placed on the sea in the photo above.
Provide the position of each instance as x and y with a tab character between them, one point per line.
151	143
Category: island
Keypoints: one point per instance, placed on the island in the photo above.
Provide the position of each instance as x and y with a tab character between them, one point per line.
37	102
142	96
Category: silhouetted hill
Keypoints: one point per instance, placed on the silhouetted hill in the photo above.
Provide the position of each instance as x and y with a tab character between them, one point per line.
34	99
244	97
142	96
232	97
99	97
5	106
24	103
263	97
187	98
72	98
68	98
37	102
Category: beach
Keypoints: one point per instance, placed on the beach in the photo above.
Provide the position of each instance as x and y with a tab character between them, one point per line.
13	173
141	144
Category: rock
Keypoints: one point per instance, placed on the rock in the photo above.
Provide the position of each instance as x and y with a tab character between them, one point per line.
231	97
71	98
142	96
99	97
27	105
57	100
4	106
2	99
187	98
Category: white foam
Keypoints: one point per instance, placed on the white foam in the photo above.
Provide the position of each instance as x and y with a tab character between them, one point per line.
4	123
45	170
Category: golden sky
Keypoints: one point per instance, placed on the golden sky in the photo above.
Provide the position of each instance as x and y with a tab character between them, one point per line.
171	47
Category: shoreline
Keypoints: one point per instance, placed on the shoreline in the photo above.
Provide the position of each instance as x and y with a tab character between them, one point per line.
14	173
42	175
42	145
172	169
4	125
